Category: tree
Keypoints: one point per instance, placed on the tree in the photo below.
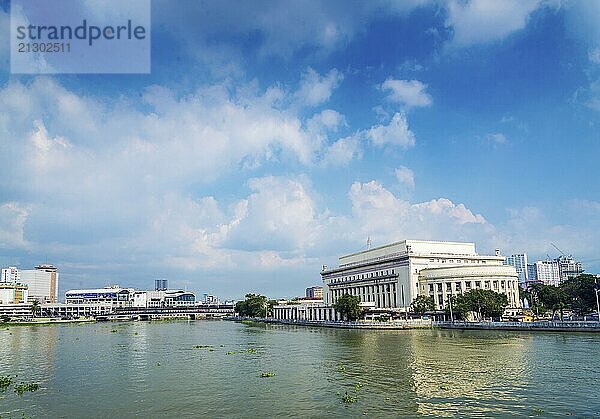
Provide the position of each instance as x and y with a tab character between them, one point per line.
580	293
253	306
35	307
485	303
348	306
422	304
555	298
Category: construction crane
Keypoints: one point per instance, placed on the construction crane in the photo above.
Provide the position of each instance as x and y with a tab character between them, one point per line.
556	247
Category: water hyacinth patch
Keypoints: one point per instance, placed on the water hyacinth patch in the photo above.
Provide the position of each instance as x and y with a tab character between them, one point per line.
267	374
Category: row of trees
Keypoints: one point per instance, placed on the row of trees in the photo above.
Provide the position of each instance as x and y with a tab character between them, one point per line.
483	303
576	294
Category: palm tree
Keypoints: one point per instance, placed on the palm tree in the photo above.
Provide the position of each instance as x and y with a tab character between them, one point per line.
35	307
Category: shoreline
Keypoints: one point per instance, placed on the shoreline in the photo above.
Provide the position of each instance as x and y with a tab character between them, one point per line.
541	326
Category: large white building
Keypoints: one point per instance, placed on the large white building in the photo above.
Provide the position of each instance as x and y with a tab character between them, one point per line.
114	295
545	271
42	282
390	276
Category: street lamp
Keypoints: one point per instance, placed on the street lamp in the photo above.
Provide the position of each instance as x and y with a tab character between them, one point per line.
450	303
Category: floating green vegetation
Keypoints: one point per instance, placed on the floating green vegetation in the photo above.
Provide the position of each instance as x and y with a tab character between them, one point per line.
158	364
211	350
231	353
114	331
251	351
23	387
538	410
358	386
347	398
202	346
221	346
341	368
267	374
444	387
5	382
246	321
135	333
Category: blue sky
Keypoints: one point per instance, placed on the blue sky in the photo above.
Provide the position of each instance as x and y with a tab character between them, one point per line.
271	137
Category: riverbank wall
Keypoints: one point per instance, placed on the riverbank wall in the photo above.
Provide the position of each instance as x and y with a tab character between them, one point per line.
546	326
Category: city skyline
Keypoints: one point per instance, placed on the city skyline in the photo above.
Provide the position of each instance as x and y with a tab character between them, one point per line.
270	138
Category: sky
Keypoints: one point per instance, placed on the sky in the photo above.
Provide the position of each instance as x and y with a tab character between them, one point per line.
272	137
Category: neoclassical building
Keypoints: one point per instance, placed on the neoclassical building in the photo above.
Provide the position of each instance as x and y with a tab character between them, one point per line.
391	276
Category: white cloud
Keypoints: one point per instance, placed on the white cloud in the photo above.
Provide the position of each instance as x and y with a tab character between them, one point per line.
377	212
410	93
12	221
343	151
496	138
481	21
315	89
405	177
395	133
594	55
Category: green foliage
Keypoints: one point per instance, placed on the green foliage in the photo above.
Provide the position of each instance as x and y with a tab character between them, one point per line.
422	304
202	346
5	382
5	318
253	306
577	294
348	306
22	388
347	398
35	307
267	374
484	303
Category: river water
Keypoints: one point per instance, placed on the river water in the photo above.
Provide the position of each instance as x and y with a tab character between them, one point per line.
154	370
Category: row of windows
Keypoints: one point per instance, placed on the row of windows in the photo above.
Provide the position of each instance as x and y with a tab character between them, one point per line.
364	276
494	285
384	295
456	261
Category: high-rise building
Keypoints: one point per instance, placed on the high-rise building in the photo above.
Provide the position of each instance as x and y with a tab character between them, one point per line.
569	267
13	293
519	261
545	271
42	282
10	274
161	285
315	293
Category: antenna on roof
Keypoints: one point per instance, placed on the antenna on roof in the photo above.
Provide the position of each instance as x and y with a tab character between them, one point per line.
369	243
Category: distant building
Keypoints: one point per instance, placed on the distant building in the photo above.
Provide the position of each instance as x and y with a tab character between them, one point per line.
10	274
13	293
163	298
545	271
42	282
569	268
161	284
210	299
115	296
519	261
315	293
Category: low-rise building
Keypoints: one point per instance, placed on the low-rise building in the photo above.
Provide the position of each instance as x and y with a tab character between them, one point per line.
114	295
163	298
315	292
13	293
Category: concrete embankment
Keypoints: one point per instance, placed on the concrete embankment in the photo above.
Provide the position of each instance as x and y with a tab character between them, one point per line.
428	324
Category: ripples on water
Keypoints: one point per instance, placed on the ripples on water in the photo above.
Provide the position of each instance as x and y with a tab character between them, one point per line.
153	370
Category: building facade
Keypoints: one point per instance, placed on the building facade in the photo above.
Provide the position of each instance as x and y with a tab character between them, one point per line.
315	292
163	298
10	274
116	296
13	293
519	261
42	282
442	283
389	277
545	271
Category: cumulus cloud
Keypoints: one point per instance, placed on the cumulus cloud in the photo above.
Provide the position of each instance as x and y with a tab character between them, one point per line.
315	89
343	151
405	177
395	133
481	21
410	93
12	221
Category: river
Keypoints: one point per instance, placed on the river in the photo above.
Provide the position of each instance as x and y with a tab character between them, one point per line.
154	369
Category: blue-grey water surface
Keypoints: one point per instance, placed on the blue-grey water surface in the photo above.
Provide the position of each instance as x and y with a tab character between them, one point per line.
153	370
